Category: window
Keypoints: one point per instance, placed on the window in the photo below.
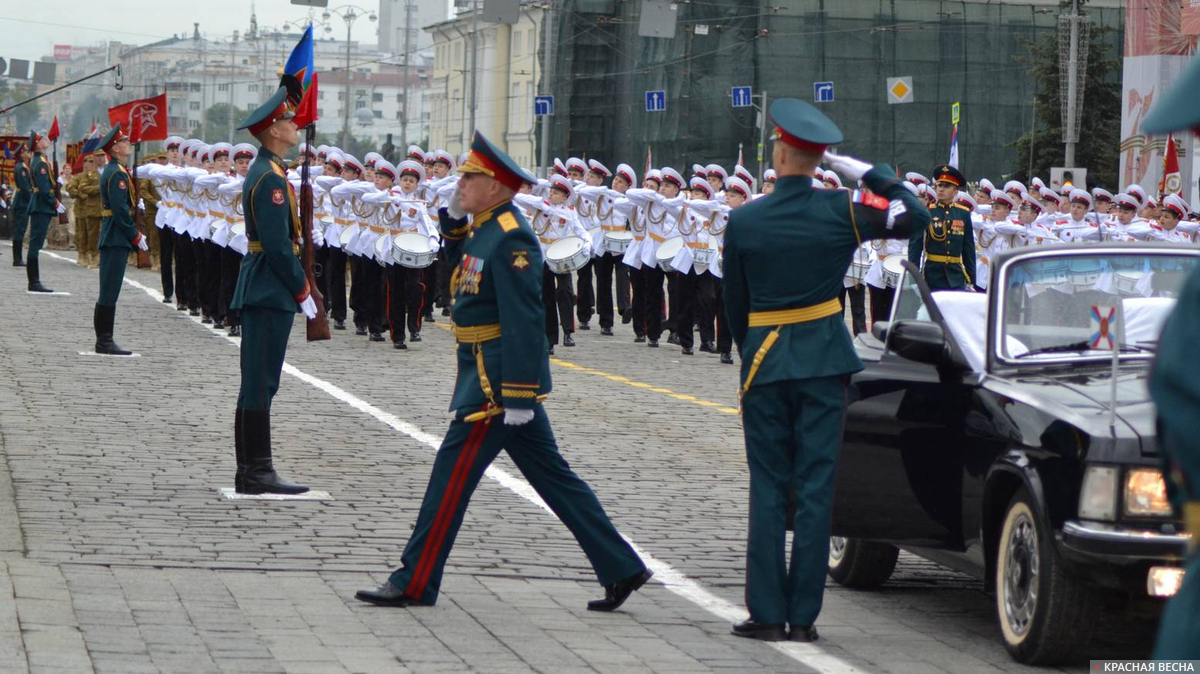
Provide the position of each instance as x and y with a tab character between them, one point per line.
513	109
253	88
359	105
320	112
360	92
377	98
364	71
194	86
341	95
399	98
516	43
320	94
378	114
458	50
193	123
222	87
194	105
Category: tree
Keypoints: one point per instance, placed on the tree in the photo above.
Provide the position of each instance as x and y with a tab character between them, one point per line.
1099	127
216	124
92	109
24	117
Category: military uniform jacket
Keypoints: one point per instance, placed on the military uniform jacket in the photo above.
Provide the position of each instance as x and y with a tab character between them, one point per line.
117	203
949	234
496	278
1176	392
790	250
270	276
89	193
21	199
43	200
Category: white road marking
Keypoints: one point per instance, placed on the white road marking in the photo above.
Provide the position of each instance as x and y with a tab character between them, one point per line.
810	655
229	494
109	355
56	293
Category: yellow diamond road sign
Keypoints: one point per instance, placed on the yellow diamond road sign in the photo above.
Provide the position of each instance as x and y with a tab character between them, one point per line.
900	90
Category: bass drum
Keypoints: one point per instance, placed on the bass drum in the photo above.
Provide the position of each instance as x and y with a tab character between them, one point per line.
667	250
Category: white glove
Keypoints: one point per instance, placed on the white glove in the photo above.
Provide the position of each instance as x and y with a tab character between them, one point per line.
309	307
60	208
141	244
454	207
847	166
517	417
142	205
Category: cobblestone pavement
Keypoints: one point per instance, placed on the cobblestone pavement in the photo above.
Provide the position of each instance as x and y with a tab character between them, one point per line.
118	555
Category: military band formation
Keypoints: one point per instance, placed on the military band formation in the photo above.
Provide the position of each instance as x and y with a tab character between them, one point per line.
520	265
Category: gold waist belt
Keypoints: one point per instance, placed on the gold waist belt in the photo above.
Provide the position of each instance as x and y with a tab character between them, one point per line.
217	214
947	259
779	319
105	213
613	228
656	237
476	334
341	221
378	230
696	244
254	247
191	213
638	238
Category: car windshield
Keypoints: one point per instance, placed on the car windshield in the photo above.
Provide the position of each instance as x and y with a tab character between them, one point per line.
1062	307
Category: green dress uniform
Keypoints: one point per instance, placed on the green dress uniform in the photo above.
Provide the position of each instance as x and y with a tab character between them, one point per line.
270	285
118	236
42	207
503	364
1175	389
948	243
785	258
20	209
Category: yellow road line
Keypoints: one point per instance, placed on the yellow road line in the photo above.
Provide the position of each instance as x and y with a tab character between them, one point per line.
719	407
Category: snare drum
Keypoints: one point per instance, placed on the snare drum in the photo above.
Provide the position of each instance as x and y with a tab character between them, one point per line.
857	271
412	250
567	255
667	250
616	242
703	256
1127	281
1084	272
893	270
721	263
1049	272
238	228
347	237
383	249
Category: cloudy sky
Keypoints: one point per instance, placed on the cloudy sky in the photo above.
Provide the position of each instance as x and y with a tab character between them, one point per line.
31	28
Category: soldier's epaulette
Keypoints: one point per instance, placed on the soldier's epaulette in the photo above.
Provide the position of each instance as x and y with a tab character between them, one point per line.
507	222
957	205
278	171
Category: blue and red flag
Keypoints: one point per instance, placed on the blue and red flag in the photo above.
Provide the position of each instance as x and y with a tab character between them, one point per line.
298	71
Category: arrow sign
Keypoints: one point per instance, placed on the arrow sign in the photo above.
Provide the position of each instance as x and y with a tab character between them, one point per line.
656	101
543	106
899	90
741	97
822	92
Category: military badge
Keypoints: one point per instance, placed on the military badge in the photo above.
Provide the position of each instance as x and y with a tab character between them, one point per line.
277	197
120	184
43	170
520	259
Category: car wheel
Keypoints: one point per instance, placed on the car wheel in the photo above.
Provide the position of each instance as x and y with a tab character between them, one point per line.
1044	612
862	564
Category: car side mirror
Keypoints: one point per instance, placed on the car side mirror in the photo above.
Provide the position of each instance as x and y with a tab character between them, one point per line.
919	341
880	330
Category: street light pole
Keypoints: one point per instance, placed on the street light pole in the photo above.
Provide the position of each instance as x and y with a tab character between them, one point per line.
349	19
407	54
474	61
547	80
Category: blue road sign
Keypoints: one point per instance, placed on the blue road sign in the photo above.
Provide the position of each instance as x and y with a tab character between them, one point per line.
741	97
543	106
656	101
822	92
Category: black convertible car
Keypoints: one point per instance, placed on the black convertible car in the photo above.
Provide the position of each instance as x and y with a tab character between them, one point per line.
989	434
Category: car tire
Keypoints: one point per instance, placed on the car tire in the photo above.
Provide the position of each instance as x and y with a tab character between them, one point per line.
861	564
1044	612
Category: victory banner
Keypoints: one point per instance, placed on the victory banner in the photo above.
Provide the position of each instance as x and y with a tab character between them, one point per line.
149	113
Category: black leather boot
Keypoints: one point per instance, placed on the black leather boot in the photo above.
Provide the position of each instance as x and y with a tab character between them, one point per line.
17	249
239	477
261	477
32	267
103	320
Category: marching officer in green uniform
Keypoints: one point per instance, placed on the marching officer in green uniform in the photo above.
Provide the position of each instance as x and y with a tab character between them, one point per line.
949	242
271	288
20	204
785	257
42	207
503	375
118	236
1176	391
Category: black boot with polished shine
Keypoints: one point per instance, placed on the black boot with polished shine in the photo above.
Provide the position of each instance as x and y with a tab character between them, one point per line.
617	593
261	477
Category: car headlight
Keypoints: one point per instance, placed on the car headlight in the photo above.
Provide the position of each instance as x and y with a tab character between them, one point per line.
1146	493
1098	497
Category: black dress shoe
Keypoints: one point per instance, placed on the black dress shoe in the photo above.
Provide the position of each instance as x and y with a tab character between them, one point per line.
181	306
726	359
415	336
638	339
805	635
361	332
219	323
653	344
673	339
386	595
707	347
761	631
207	320
568	340
627	316
167	300
583	325
428	318
339	325
193	312
688	351
235	331
399	345
606	332
376	337
445	311
617	593
551	351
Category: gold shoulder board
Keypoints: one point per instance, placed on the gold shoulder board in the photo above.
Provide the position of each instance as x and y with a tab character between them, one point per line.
507	222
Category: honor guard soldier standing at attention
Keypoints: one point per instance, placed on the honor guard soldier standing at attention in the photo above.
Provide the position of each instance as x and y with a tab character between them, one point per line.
20	203
42	207
271	288
1176	392
785	257
118	236
503	371
948	243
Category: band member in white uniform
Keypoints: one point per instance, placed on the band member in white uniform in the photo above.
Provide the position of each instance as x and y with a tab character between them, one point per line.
554	218
662	209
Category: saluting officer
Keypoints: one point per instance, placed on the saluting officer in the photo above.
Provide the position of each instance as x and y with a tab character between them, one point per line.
503	369
118	235
1176	391
782	284
948	244
42	207
271	288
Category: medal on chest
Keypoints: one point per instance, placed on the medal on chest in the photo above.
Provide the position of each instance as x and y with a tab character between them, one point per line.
465	280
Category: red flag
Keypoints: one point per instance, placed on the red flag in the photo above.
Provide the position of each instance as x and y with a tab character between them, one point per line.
135	127
53	134
306	111
151	114
1171	181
